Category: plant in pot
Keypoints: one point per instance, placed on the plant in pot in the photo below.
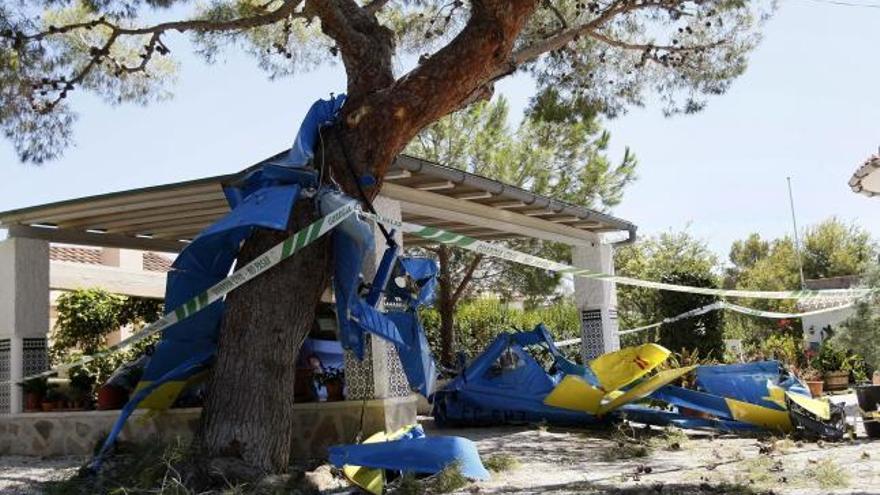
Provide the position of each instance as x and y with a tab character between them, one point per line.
333	380
857	368
52	400
830	362
34	391
82	384
813	378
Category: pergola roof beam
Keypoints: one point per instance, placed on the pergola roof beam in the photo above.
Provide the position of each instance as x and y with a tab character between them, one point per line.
91	239
435	205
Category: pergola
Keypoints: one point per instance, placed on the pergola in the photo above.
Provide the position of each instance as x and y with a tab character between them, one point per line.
165	218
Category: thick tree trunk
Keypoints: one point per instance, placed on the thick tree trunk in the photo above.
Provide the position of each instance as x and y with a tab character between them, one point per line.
446	307
248	413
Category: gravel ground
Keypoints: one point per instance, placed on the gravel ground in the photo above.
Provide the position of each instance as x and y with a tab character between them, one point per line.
22	475
567	461
558	461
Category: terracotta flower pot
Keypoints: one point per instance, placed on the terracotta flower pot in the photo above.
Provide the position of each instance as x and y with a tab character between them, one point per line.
836	380
816	387
47	406
302	385
32	402
111	397
334	391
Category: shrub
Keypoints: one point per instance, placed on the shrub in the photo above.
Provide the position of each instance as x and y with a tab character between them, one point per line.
703	333
479	321
860	333
86	317
830	357
782	347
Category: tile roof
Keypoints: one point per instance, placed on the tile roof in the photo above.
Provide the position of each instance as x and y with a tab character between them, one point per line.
152	262
88	256
156	262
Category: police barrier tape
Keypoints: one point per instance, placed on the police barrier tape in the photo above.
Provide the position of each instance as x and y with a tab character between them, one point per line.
719	305
258	266
498	251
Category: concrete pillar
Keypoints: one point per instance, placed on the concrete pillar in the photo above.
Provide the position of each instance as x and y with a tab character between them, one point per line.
596	300
24	315
380	375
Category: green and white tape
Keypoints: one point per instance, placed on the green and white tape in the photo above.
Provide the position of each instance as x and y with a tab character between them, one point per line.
719	305
503	252
255	268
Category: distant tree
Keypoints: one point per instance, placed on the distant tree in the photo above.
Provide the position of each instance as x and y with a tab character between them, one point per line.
559	150
702	333
669	254
744	254
831	248
834	248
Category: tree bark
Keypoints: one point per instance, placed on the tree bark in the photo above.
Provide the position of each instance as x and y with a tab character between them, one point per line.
248	411
446	309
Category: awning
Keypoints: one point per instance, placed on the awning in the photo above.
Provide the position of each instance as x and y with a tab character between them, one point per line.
166	217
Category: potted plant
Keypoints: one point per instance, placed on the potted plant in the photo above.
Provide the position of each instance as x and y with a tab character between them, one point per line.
82	385
857	368
34	391
52	400
302	385
813	378
830	362
333	380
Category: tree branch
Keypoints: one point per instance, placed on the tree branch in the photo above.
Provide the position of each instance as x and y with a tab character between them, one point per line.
367	47
287	9
648	46
453	75
375	6
566	36
593	29
98	54
468	276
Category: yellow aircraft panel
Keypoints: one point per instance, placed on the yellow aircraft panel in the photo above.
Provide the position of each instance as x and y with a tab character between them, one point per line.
645	388
620	368
820	407
373	480
765	417
163	397
574	393
777	394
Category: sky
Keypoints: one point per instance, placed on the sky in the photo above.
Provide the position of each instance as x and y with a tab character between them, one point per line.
808	107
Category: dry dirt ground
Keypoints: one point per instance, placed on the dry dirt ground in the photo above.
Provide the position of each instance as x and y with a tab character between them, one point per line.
567	461
559	461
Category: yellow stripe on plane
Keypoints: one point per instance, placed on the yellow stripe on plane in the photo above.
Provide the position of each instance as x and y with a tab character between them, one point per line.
771	419
574	393
369	479
617	369
645	388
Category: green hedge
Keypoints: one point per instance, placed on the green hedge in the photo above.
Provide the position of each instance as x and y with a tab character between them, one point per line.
479	321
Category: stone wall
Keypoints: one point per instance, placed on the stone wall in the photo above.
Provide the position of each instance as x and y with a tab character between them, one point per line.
318	426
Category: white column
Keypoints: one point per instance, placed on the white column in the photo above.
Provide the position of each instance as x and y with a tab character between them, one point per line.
381	361
596	300
24	314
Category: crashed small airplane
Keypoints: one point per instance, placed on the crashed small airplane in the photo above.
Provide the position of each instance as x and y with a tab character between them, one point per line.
507	384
